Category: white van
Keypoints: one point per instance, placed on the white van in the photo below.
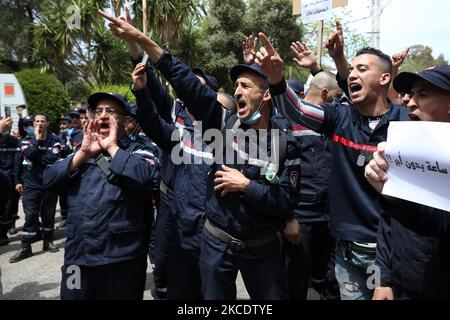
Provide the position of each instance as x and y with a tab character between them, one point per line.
11	96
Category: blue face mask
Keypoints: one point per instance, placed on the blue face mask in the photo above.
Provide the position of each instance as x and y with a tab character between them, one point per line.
29	131
254	118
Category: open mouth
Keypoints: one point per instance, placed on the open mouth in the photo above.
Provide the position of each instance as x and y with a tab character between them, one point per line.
241	105
355	88
104	127
413	117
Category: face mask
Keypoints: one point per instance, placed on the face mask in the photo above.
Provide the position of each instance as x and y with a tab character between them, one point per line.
254	118
29	131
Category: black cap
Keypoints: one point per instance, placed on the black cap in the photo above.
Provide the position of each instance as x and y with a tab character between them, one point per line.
94	99
211	81
133	110
240	68
28	120
437	75
65	118
74	113
296	85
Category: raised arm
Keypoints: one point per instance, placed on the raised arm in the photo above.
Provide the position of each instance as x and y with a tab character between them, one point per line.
286	101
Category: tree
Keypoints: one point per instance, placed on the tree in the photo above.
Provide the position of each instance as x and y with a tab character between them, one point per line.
222	34
44	93
16	34
421	57
87	49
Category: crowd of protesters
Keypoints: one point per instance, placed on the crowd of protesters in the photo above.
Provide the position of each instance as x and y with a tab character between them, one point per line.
156	181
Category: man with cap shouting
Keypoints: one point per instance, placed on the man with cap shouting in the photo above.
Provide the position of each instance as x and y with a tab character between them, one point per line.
249	202
356	128
413	250
110	182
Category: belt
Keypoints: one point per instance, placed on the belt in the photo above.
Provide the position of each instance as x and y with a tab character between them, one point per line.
361	249
165	189
235	243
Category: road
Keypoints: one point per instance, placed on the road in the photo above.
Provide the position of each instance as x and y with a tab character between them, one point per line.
39	277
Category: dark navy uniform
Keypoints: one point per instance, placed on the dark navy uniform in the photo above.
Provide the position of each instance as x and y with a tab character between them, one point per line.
189	196
314	256
9	148
107	226
37	201
250	222
70	140
171	111
5	197
413	250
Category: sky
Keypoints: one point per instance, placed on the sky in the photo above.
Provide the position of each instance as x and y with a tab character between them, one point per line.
407	22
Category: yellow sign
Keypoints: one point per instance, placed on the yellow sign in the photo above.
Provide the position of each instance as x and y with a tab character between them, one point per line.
297	5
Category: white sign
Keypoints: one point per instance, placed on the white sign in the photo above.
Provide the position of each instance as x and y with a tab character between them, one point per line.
314	10
419	163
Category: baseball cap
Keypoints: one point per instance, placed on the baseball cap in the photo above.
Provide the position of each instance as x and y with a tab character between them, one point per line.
437	75
240	68
28	120
65	118
296	85
94	99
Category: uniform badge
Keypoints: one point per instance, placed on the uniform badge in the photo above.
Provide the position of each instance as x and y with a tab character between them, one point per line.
293	178
56	150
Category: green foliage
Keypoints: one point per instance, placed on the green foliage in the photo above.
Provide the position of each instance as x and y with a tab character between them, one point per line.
421	57
44	93
123	90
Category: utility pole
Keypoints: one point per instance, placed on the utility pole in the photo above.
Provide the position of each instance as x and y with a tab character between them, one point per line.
376	17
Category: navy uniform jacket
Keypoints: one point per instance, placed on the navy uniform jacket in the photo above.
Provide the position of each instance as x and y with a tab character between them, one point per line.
413	250
264	208
9	147
108	220
35	157
315	161
171	111
190	187
353	203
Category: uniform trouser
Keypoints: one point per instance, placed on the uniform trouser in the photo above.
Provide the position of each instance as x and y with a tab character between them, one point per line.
311	259
38	202
160	250
9	212
262	270
116	281
183	271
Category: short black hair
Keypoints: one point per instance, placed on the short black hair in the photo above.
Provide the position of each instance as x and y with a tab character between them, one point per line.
386	62
41	114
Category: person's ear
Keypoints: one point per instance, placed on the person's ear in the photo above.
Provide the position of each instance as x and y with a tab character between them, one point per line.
324	94
267	96
385	79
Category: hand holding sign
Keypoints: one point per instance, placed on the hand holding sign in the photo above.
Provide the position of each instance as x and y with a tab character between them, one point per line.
270	61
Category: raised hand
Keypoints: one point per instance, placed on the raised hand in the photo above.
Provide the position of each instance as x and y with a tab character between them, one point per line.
270	61
110	143
335	42
5	125
249	49
139	77
398	59
90	146
122	28
305	58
